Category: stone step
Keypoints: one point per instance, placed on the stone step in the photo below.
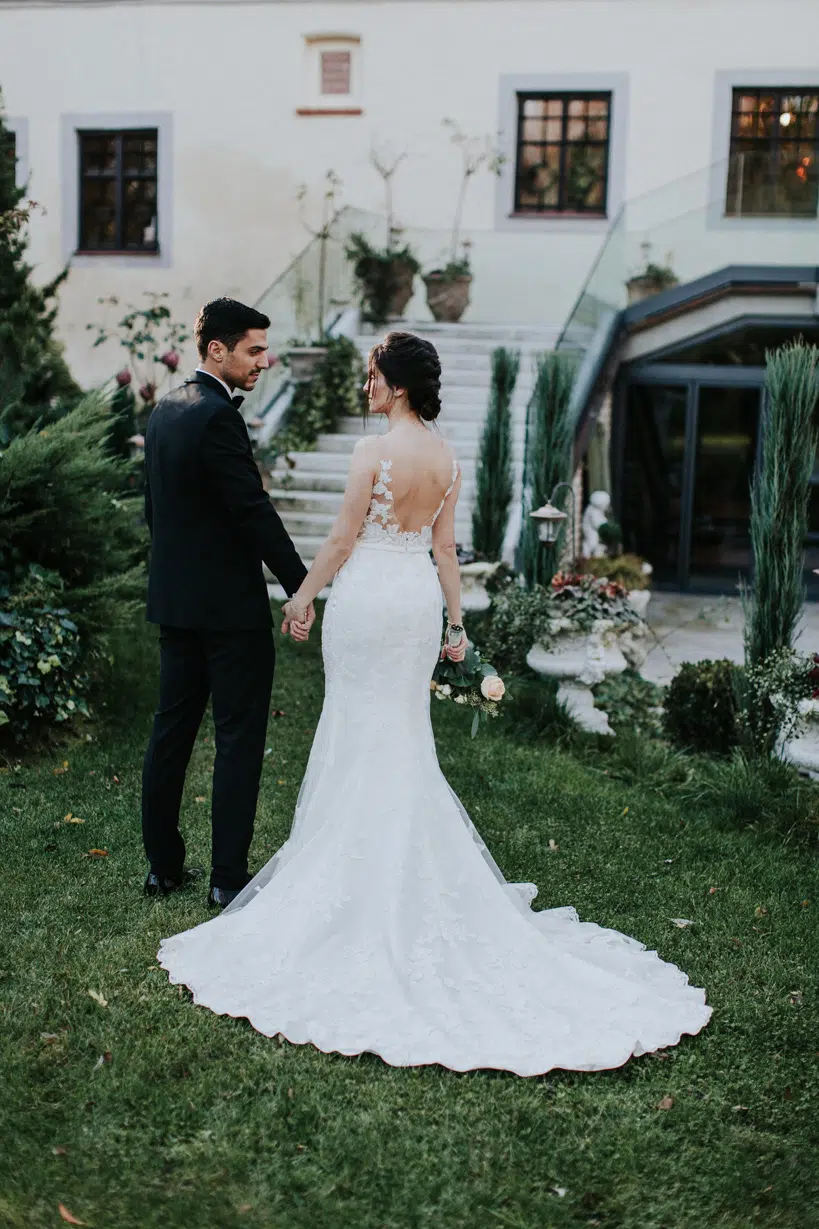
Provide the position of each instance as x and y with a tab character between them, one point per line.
474	334
316	499
467	449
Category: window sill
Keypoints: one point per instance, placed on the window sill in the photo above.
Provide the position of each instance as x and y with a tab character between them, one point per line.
329	111
143	252
557	216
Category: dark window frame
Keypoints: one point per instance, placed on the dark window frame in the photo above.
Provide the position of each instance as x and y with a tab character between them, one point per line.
768	146
11	145
564	144
119	135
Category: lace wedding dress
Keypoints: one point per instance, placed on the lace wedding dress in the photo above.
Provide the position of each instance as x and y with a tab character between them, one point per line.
383	924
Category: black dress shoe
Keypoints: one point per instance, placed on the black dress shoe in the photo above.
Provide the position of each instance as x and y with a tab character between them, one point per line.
162	885
219	897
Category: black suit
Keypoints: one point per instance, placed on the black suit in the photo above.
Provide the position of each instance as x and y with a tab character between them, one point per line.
212	524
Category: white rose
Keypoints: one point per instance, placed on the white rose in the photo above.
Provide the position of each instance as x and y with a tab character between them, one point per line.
446	690
492	688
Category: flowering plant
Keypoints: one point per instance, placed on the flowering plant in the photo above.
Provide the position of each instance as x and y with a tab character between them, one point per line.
471	682
581	602
773	695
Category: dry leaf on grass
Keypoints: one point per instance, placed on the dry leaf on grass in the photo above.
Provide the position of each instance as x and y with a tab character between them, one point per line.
665	1104
66	1215
60	1150
96	853
760	911
58	772
553	845
682	922
103	1060
200	798
97	997
73	819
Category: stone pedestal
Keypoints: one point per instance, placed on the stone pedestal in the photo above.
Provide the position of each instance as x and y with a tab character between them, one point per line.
580	661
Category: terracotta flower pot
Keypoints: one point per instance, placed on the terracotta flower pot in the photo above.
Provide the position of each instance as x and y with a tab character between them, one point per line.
447	297
641	288
403	279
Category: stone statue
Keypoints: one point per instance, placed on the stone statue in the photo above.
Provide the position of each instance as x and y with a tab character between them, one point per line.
596	514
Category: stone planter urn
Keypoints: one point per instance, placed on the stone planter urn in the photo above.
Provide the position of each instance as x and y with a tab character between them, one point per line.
474	595
580	660
305	361
447	297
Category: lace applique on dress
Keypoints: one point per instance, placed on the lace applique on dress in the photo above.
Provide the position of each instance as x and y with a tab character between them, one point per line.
380	526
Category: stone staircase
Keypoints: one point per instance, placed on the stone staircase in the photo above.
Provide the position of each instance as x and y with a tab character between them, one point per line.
307	487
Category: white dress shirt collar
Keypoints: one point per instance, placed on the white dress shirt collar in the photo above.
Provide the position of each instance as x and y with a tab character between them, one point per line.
218	380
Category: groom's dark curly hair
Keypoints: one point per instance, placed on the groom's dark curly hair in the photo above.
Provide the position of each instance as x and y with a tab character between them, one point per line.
226	320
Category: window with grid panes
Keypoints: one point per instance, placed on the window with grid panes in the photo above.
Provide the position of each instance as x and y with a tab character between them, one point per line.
773	168
118	191
562	153
335	72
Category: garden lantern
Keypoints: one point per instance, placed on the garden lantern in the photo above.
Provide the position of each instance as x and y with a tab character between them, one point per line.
549	519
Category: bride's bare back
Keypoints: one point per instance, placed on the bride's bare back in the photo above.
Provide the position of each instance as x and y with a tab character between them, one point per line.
414	472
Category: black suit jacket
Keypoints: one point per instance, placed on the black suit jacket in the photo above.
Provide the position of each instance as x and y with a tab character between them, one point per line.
211	520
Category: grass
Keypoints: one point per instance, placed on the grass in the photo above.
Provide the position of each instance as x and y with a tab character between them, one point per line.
149	1112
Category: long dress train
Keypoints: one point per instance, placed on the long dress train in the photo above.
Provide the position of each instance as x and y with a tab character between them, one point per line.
383	924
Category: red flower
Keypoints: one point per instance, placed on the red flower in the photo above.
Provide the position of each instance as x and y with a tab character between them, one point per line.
124	378
147	393
815	694
272	359
171	360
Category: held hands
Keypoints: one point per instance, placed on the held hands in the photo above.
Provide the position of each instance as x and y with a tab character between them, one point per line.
298	620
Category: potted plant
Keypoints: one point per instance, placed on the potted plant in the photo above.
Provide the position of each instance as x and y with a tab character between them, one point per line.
591	631
448	287
651	279
385	276
630	571
304	359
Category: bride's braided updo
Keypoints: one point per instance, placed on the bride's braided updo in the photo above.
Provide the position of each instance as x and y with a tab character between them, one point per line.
410	362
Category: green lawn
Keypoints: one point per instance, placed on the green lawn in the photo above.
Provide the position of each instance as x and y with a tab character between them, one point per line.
147	1111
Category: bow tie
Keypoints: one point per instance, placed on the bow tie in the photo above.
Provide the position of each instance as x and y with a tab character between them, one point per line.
237	401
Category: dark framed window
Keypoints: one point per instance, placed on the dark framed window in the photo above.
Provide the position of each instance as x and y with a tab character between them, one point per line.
118	191
8	148
562	162
773	168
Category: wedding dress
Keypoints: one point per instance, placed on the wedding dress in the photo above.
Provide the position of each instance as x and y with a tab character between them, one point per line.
383	924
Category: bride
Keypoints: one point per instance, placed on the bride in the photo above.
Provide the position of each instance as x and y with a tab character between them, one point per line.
383	925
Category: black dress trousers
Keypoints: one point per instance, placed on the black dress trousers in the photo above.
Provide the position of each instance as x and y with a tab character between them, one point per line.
236	670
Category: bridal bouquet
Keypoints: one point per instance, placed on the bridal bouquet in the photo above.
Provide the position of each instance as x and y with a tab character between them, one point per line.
471	682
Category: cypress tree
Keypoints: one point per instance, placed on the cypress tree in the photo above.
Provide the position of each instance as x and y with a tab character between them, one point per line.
549	442
493	487
779	500
35	381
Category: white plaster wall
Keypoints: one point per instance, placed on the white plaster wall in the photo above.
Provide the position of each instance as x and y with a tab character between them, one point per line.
231	77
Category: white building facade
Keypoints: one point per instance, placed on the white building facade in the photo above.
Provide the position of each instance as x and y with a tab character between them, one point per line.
167	141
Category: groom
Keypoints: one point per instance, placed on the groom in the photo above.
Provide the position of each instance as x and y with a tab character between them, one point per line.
212	525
